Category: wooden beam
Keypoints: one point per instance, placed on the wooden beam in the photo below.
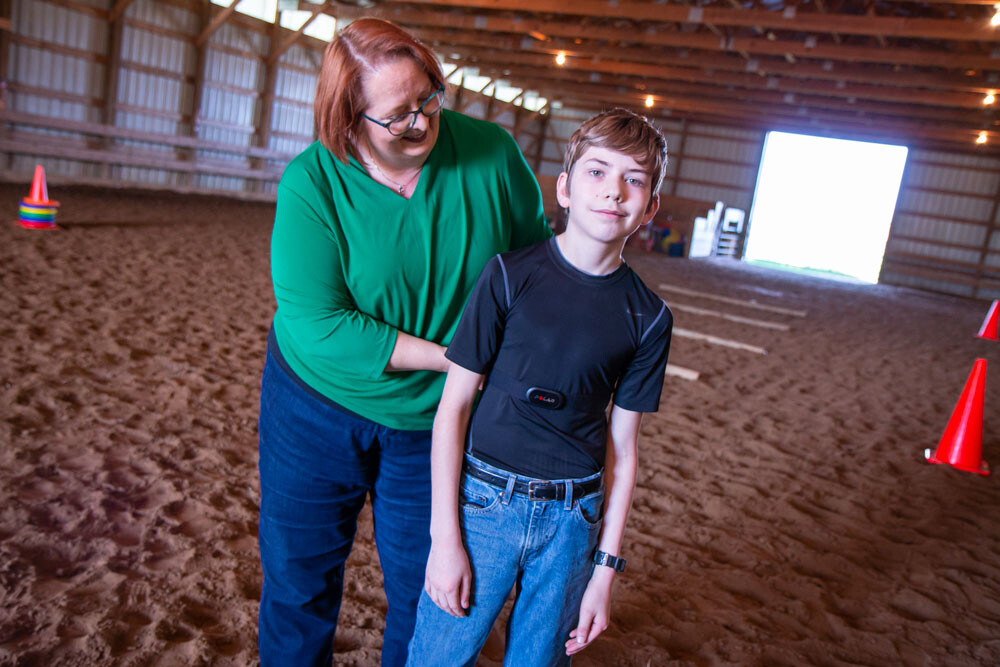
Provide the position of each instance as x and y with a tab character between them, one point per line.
111	71
934	242
928	269
751	303
808	47
198	87
952	2
530	117
118	9
5	18
133	158
460	90
758	162
295	36
987	237
262	132
716	340
80	7
146	26
971	268
707	312
101	130
68	220
75	98
709	64
726	101
490	102
789	19
681	372
764	117
540	146
946	218
216	23
773	85
158	72
680	159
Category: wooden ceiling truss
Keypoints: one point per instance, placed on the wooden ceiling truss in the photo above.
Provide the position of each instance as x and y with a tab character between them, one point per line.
888	70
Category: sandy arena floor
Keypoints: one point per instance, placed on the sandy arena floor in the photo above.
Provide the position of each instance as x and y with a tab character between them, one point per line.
784	514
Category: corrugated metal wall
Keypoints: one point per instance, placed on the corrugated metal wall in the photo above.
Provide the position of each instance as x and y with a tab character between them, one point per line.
35	72
944	234
716	163
57	66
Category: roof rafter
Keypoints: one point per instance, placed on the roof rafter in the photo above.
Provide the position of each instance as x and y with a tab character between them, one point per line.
789	19
809	47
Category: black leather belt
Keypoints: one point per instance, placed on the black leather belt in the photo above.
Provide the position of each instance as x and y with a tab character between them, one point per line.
535	490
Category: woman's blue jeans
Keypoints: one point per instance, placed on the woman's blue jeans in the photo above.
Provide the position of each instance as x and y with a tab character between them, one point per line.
317	465
542	549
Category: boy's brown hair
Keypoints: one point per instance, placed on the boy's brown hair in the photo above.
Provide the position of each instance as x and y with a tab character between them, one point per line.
626	132
360	47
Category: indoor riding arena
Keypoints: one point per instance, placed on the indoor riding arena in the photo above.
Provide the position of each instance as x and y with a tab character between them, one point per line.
815	488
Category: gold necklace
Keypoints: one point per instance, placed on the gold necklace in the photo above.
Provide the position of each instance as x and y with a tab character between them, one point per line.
399	188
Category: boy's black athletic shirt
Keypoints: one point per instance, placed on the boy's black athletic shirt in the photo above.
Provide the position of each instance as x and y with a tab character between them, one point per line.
534	320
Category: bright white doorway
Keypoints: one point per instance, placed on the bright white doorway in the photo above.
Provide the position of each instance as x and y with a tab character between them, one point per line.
824	204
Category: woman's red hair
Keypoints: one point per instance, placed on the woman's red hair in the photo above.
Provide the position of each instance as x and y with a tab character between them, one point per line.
363	45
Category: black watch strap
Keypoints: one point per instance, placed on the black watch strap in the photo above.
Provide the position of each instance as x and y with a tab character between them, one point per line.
615	563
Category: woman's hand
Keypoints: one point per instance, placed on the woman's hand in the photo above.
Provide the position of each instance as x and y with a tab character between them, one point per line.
448	579
595	610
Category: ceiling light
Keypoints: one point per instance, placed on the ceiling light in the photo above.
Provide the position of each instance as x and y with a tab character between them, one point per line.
649	100
989	99
981	139
561	58
995	21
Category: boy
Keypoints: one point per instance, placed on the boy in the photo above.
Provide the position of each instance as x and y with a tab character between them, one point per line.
557	329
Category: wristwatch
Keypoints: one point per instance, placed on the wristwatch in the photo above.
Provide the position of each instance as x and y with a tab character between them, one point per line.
615	563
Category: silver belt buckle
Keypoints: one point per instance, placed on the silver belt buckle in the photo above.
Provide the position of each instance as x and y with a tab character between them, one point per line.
532	486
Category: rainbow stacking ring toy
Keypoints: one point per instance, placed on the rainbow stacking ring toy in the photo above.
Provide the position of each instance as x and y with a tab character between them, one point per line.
33	216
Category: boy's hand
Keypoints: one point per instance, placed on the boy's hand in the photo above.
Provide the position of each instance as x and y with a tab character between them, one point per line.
448	579
595	610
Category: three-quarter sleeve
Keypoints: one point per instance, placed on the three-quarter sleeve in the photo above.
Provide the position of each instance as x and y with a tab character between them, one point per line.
314	302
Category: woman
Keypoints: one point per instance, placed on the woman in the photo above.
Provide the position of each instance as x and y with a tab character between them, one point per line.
381	231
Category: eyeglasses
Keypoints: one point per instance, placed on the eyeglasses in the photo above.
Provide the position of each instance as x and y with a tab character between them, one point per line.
402	123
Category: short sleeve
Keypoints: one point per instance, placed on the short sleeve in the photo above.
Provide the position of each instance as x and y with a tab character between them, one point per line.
480	330
642	383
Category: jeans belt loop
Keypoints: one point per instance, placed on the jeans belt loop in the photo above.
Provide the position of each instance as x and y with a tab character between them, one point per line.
508	492
568	502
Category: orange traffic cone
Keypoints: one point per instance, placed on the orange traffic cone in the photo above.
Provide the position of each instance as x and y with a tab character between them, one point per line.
36	210
961	445
989	329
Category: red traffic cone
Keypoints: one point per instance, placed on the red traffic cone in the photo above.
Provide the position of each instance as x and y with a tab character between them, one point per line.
989	328
961	445
39	191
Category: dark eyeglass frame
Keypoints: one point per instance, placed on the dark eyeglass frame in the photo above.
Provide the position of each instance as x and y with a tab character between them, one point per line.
412	114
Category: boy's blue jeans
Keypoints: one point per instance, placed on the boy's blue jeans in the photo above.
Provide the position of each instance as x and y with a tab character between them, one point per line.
317	465
543	548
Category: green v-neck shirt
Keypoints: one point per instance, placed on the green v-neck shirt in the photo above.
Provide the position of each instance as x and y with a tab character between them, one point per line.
353	262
